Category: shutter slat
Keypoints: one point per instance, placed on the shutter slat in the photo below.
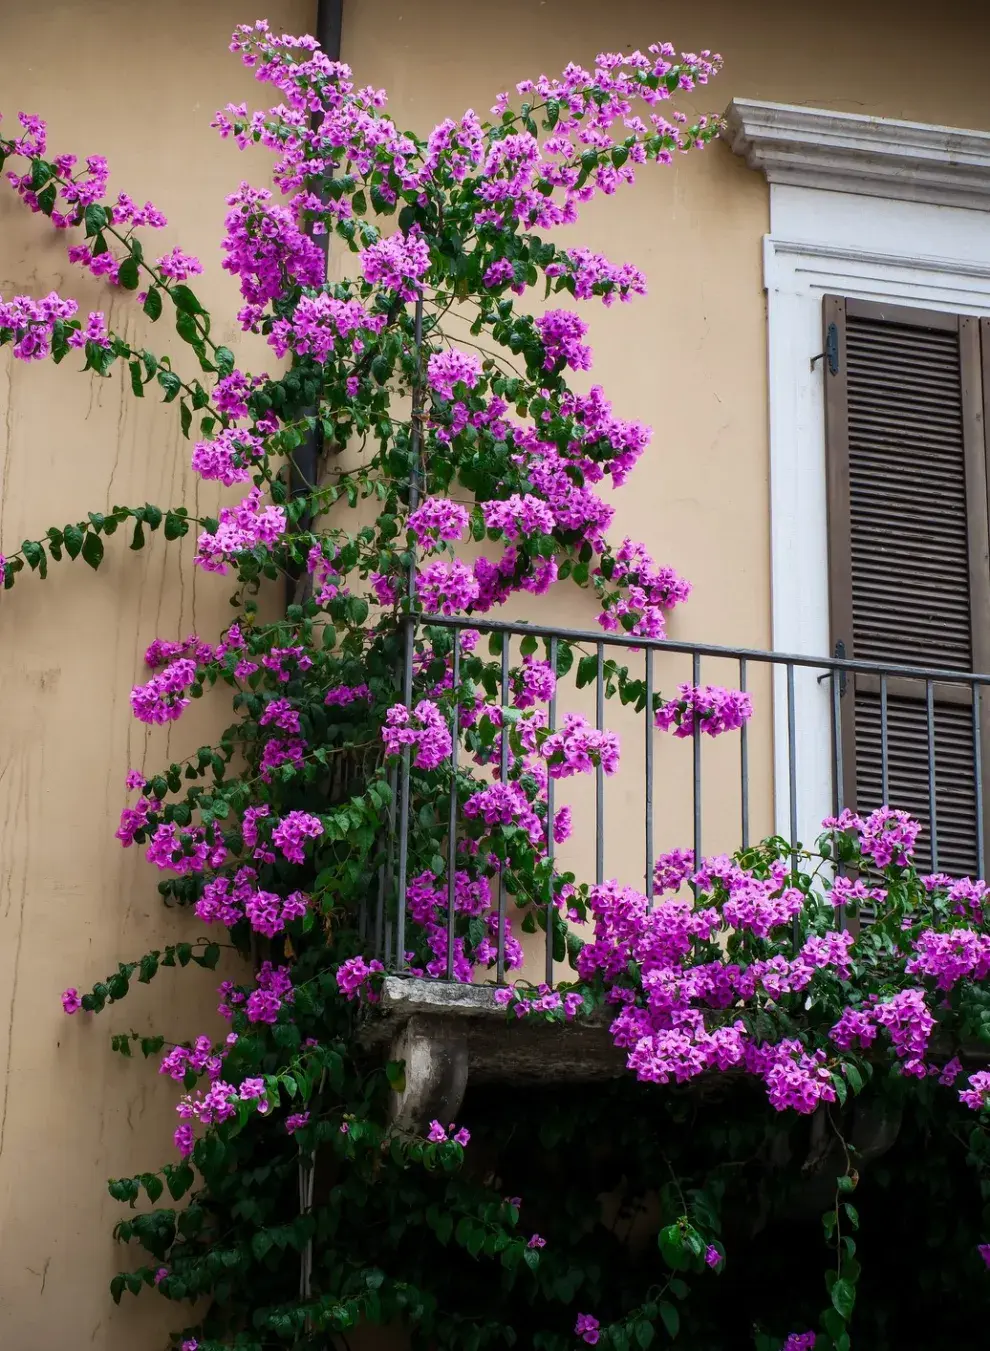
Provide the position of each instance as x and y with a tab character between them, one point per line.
901	507
910	590
907	742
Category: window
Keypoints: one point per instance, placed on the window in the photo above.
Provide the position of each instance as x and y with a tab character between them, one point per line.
909	561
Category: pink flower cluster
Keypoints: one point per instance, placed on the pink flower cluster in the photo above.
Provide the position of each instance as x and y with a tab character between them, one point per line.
397	263
950	957
291	832
186	851
593	275
446	587
577	748
438	1135
163	697
31	326
266	249
445	370
323	326
645	593
354	974
438	521
427	899
424	729
518	515
561	332
229	457
887	836
713	709
240	528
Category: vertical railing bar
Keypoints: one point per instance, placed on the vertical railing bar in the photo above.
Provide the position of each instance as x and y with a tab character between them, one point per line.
551	907
696	763
792	779
648	824
503	778
792	765
743	764
884	743
978	778
838	793
409	647
600	772
455	733
382	927
932	806
838	787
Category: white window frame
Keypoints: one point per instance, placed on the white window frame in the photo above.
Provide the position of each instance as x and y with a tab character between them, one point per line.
867	208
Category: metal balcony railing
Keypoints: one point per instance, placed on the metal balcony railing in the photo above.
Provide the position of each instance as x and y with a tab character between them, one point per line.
826	733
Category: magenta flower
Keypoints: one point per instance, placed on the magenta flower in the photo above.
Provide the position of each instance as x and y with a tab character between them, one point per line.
71	1003
296	1121
160	1275
984	1250
437	1133
447	369
587	1328
536	1242
183	1139
462	1137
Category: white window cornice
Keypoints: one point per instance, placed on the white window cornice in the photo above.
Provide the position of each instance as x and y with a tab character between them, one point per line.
849	152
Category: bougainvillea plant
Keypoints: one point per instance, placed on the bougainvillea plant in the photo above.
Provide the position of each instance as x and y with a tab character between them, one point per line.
305	1214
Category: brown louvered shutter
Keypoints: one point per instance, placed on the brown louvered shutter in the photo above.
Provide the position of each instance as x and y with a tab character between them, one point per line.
908	557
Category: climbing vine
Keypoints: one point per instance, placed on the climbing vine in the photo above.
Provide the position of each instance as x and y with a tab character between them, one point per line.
781	1060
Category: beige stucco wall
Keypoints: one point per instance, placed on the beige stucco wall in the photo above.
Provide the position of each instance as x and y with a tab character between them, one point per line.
690	359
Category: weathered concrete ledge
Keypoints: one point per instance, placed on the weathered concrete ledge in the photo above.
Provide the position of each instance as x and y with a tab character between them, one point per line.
445	1032
499	1047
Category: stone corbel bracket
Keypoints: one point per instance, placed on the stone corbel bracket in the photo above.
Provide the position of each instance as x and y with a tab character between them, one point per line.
445	1032
850	152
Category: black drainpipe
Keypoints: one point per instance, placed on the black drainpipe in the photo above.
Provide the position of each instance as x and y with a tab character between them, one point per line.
304	467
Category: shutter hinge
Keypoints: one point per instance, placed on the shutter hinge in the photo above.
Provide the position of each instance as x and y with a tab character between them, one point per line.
831	353
839	654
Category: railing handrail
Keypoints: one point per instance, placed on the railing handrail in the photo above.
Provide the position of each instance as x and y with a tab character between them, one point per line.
945	675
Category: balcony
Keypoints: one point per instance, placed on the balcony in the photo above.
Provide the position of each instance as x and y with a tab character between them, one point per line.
826	733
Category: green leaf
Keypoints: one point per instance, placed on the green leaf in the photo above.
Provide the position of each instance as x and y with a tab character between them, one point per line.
185	300
92	549
73	540
670	1241
644	1332
170	383
587	671
34	555
185	417
670	1318
395	1071
153	304
154	1186
96	219
176	525
129	274
843	1298
224	358
137	380
854	1078
179	1178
